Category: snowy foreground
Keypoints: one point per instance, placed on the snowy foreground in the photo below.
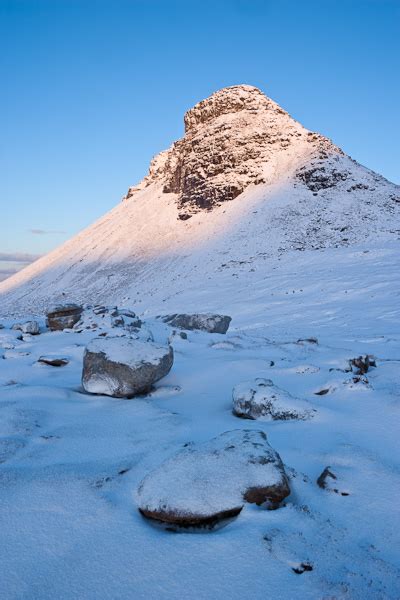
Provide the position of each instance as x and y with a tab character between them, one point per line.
72	462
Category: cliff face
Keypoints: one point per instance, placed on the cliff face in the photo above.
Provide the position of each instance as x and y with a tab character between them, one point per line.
234	138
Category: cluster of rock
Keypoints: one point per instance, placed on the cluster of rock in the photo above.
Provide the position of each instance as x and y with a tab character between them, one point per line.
232	139
322	174
129	363
204	485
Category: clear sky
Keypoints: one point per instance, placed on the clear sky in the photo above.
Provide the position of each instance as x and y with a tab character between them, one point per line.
91	89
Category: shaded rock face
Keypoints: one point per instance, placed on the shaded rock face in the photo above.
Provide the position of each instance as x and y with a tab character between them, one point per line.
203	322
202	486
123	367
320	175
232	139
63	317
261	399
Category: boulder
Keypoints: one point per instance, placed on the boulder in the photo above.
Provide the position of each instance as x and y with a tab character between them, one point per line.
126	312
204	322
204	485
63	316
31	327
123	367
261	399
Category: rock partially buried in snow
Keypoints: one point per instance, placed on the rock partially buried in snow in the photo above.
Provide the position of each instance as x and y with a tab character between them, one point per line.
204	485
204	322
31	327
63	316
261	399
8	339
124	367
53	361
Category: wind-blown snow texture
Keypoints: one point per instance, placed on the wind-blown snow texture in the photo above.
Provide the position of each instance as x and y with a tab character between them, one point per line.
286	265
314	197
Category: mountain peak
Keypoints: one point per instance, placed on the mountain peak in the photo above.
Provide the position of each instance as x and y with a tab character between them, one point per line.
232	99
234	138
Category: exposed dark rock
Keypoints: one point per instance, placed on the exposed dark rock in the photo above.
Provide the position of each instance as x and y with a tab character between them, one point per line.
63	316
203	322
118	321
302	568
321	481
324	479
54	361
320	176
310	340
322	392
362	364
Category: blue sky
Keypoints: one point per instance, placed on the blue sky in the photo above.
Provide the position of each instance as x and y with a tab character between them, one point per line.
92	89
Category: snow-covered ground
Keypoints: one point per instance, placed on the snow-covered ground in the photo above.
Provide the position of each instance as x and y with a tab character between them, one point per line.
309	249
72	462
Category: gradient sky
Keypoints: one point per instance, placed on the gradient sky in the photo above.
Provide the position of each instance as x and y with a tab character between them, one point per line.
92	89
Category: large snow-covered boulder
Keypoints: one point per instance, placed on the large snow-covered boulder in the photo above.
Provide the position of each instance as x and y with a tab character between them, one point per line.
63	316
261	399
204	322
123	367
201	486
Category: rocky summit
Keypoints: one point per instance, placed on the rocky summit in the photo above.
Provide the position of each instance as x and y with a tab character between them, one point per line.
245	185
232	139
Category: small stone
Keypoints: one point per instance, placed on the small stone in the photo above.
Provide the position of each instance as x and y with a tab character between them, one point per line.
261	399
53	361
310	340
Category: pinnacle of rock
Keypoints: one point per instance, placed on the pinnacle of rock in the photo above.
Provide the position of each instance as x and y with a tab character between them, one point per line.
235	138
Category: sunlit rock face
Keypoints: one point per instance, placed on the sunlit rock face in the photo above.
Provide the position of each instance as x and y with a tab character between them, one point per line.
234	138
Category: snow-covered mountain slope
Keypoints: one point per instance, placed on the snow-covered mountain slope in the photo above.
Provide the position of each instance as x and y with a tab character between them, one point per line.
72	463
308	249
245	184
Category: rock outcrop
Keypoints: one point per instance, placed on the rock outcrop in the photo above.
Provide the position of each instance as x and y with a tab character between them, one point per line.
123	367
232	139
204	485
